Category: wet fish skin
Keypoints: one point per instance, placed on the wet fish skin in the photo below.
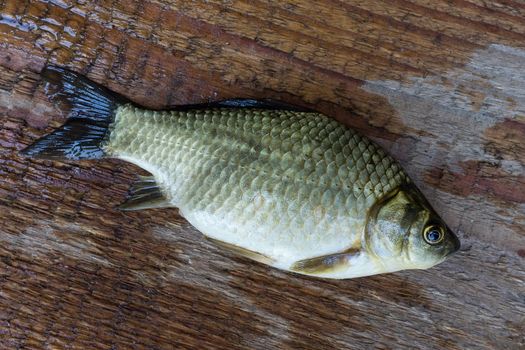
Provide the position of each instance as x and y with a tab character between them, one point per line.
260	178
293	189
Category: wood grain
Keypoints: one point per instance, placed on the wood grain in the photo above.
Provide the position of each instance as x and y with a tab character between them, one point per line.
440	84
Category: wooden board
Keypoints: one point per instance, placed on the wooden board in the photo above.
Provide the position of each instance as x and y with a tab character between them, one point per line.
440	84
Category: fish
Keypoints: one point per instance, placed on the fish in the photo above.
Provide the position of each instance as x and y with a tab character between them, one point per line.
281	185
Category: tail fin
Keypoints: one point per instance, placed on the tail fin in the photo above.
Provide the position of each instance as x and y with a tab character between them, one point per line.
91	111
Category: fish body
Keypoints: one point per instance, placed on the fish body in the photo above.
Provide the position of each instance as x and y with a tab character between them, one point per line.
288	185
290	188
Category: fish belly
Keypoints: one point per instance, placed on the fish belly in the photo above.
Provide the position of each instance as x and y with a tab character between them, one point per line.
288	185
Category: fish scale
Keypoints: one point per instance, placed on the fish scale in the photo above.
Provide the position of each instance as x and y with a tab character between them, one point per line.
263	176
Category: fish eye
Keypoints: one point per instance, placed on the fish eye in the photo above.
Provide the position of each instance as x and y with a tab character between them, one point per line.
433	234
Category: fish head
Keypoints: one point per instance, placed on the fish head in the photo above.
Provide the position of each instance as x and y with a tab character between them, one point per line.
404	232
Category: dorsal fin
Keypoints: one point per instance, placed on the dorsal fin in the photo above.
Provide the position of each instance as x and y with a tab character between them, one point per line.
243	103
145	193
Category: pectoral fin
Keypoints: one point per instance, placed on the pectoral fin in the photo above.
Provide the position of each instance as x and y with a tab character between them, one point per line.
325	263
145	194
242	251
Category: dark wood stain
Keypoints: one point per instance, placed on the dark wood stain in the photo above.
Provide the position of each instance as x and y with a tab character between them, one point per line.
482	179
505	140
77	274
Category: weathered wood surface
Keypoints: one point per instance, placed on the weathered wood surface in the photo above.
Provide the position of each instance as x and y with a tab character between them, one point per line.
440	84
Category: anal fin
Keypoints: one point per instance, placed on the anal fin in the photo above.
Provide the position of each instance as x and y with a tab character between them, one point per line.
326	263
250	254
145	194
